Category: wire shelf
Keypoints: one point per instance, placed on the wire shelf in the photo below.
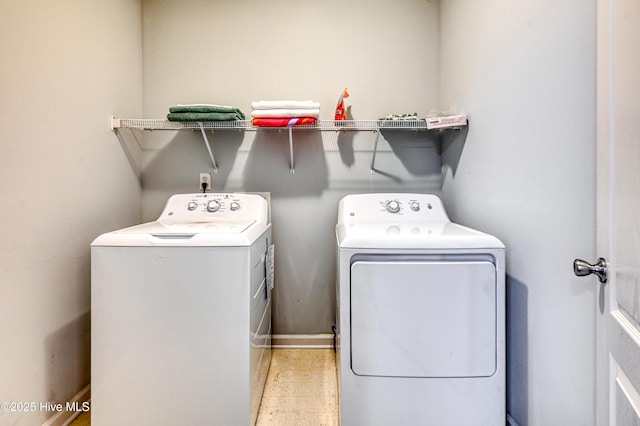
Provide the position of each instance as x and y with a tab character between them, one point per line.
159	124
327	125
375	126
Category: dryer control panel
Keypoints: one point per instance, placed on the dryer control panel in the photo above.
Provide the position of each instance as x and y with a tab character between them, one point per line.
396	207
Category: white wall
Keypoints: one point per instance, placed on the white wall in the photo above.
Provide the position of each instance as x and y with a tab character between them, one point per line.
67	66
233	53
524	72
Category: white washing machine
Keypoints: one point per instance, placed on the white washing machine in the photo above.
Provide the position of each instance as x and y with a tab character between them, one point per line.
420	315
181	314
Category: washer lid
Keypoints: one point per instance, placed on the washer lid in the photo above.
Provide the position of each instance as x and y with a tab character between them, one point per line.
209	219
418	235
167	229
185	234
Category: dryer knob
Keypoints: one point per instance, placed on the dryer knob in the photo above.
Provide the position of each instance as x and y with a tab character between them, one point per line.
235	206
192	206
415	206
393	206
213	206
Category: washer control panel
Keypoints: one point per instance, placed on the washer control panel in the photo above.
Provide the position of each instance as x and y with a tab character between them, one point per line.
205	207
395	207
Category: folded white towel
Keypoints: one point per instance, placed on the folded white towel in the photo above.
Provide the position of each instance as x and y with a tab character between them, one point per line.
285	105
260	113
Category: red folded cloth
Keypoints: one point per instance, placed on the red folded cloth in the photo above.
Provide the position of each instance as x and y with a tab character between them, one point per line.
283	121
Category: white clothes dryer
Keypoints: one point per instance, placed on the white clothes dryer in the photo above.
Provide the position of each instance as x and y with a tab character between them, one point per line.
420	315
181	314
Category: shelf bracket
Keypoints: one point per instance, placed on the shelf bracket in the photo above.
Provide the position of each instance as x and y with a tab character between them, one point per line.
208	145
372	169
291	167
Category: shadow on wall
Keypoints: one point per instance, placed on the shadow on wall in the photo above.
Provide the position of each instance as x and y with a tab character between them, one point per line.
517	351
406	144
175	163
68	359
345	148
453	142
345	143
408	147
267	167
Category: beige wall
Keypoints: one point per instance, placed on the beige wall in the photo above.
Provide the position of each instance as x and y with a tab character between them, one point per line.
67	66
235	52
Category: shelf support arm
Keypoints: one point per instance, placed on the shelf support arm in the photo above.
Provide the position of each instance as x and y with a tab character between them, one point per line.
372	169
206	143
291	167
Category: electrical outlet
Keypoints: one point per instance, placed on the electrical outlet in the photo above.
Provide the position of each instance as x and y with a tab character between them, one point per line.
205	178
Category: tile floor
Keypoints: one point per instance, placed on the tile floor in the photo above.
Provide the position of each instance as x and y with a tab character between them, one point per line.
301	390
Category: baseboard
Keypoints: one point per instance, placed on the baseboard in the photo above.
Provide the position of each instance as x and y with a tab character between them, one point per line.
302	341
510	421
65	417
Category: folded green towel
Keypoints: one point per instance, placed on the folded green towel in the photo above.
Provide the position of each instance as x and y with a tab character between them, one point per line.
206	108
204	116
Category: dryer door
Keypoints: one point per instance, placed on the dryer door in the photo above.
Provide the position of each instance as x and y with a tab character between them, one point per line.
423	318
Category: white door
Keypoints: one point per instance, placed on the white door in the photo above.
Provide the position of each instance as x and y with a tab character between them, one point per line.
618	145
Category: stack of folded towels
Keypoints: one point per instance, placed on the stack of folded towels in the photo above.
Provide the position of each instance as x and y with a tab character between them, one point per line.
204	112
284	113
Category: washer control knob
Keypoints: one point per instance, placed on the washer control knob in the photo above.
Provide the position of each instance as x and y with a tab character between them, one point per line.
234	206
393	206
213	206
415	206
192	206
